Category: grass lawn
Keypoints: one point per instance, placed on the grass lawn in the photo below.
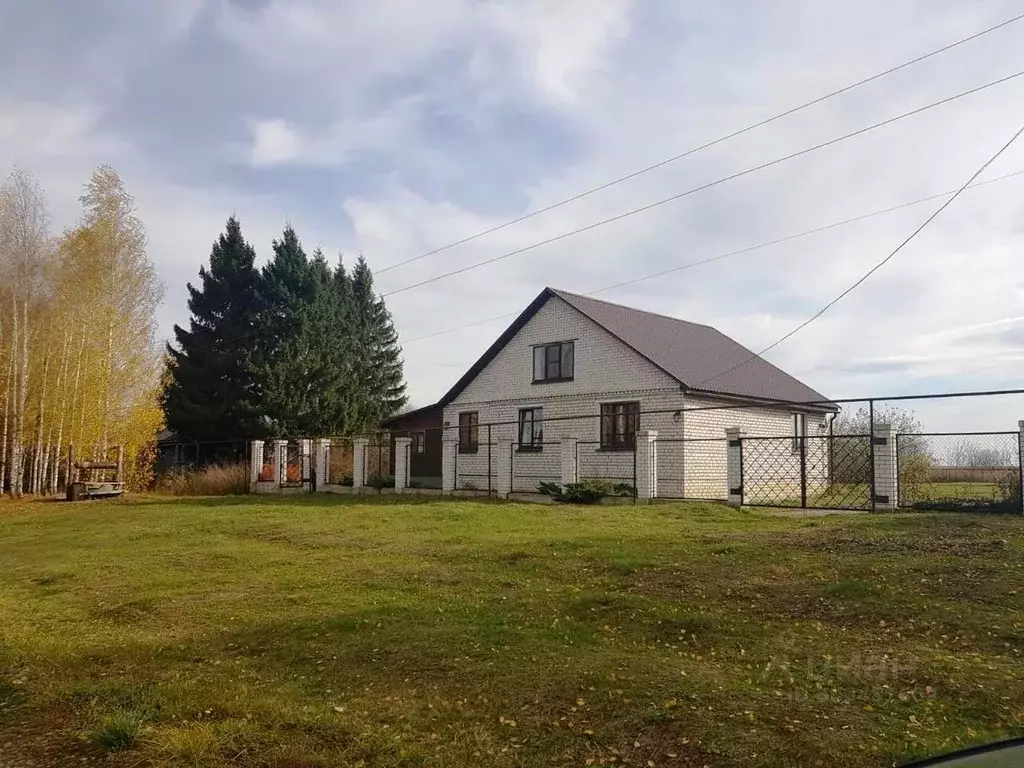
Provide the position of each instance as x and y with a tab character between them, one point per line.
302	632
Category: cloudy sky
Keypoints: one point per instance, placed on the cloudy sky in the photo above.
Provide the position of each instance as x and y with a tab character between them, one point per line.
391	128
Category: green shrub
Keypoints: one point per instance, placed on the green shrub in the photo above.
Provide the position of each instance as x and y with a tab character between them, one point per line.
469	486
347	481
587	491
553	490
381	481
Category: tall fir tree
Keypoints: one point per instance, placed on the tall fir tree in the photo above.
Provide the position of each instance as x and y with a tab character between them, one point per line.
287	348
327	326
377	371
211	391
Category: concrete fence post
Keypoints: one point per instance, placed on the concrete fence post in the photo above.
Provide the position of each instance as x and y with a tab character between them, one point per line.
359	445
255	463
570	472
322	452
403	453
647	465
449	459
280	460
734	465
886	473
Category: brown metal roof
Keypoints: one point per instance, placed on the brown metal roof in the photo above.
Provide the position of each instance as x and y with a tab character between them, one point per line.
697	356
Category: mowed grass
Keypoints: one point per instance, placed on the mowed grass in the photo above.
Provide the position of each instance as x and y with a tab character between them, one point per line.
305	632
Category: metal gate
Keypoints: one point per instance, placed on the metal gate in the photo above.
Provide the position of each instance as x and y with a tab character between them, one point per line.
813	472
293	471
959	471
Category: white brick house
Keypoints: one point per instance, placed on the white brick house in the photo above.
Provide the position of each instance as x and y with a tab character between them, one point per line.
571	368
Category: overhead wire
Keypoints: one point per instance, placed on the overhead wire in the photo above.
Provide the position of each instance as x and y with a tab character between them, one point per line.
706	186
706	145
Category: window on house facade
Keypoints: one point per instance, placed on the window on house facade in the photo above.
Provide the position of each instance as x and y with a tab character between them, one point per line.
619	424
531	429
799	430
419	442
469	432
553	362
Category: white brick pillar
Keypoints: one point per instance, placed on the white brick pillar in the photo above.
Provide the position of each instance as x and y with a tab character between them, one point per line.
449	457
255	463
647	465
502	467
280	459
569	473
306	455
359	461
403	455
322	452
1020	445
734	465
886	472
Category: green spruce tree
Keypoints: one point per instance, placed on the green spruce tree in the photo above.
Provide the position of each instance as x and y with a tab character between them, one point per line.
330	339
377	377
211	392
286	356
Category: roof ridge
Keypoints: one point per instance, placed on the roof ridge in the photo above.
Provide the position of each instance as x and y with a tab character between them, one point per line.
563	293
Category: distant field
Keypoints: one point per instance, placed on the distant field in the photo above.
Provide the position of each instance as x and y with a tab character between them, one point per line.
308	632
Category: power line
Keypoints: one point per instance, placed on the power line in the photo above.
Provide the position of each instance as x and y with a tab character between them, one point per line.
707	145
730	254
873	269
706	186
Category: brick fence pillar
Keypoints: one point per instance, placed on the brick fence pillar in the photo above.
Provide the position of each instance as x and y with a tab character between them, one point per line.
449	459
359	446
734	465
647	465
321	457
569	472
501	458
255	463
403	454
886	474
280	460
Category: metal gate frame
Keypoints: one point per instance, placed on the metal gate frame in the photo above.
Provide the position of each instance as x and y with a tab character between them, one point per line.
840	502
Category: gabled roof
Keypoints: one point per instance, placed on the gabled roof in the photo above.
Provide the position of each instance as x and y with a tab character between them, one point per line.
697	356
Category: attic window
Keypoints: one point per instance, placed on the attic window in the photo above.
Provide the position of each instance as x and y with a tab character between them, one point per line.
553	362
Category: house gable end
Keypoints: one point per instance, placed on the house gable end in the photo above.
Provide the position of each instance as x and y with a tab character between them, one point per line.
603	363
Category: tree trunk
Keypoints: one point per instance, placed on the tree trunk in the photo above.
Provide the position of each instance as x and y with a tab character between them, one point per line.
16	415
50	468
37	460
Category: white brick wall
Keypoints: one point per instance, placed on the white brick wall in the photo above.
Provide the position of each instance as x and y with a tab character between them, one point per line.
605	370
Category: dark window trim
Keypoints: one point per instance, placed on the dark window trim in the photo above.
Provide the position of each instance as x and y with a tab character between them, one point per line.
537	445
419	445
628	444
545	346
472	445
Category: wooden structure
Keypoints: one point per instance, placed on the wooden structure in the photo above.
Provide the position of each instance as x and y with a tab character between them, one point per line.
89	479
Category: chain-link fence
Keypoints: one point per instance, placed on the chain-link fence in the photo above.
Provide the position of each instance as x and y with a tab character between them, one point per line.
965	471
